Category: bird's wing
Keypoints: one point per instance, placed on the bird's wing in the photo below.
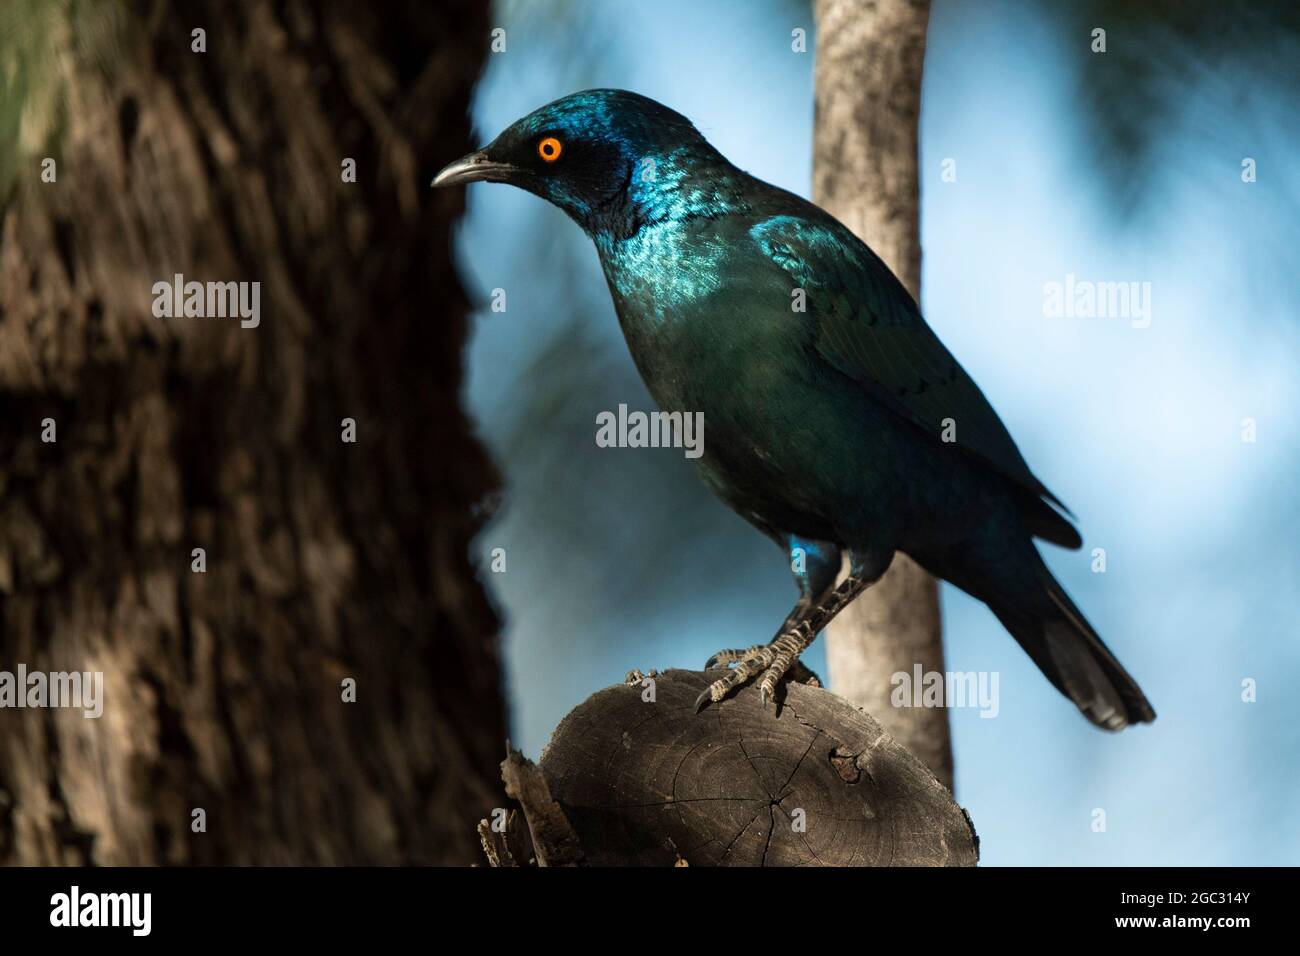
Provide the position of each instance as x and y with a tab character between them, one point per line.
866	325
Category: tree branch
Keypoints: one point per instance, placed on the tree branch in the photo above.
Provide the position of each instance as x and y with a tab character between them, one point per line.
639	779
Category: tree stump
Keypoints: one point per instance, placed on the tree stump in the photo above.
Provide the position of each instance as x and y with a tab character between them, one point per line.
645	781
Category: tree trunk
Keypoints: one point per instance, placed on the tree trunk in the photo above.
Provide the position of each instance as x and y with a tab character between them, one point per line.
868	99
325	560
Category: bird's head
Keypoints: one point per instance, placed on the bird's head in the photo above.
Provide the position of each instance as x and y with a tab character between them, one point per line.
611	159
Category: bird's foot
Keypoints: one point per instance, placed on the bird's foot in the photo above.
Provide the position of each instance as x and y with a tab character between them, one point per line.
776	660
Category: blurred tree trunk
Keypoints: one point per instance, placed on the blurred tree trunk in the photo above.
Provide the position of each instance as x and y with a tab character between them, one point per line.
326	560
870	55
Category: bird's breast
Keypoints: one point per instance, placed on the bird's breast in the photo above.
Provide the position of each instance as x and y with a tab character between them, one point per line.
663	275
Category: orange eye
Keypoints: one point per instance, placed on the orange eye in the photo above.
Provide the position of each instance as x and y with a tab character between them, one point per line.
549	149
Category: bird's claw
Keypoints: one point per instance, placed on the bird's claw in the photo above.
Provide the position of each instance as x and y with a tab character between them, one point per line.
732	655
772	660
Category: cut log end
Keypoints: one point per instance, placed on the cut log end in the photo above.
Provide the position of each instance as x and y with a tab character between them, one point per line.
642	780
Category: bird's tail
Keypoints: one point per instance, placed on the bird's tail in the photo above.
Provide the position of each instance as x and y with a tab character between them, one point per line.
1071	655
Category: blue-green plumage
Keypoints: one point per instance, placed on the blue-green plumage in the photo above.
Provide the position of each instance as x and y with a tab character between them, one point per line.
835	418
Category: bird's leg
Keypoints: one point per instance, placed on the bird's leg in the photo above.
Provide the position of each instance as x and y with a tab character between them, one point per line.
734	655
815	565
792	643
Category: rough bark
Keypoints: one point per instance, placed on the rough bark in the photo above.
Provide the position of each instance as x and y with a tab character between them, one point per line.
325	560
869	62
636	777
550	835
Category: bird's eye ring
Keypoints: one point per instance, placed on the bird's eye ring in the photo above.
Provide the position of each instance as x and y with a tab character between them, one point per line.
549	149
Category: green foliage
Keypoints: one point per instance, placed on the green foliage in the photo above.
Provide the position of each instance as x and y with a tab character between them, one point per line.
43	45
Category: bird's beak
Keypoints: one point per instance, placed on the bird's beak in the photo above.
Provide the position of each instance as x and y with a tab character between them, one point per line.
473	168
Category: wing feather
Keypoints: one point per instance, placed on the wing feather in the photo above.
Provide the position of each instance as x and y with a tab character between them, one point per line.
866	325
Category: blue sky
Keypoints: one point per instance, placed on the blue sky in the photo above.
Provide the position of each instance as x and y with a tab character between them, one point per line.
620	559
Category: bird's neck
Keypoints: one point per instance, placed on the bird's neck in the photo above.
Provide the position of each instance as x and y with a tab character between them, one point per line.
673	186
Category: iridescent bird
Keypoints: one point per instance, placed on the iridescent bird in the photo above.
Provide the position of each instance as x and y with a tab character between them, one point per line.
842	427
